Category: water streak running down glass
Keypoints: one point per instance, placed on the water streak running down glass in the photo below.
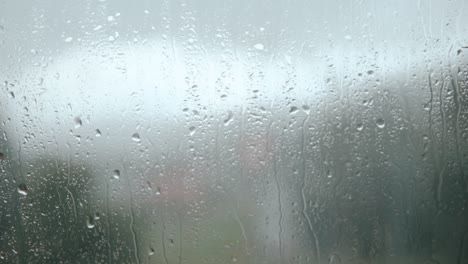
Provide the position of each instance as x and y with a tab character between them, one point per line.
190	132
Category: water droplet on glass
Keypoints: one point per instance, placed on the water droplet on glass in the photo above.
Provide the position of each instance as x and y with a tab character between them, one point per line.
228	119
259	46
136	137
90	222
192	130
22	189
293	110
116	174
69	39
12	95
348	37
151	252
380	123
359	126
98	133
370	72
78	122
110	18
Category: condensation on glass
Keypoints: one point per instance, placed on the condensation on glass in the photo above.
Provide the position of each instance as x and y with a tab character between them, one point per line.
234	131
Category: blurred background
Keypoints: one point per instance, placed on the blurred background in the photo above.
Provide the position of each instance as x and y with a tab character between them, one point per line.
233	131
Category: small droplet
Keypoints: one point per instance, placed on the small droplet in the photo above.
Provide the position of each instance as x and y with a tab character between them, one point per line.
116	174
348	37
151	252
69	39
90	222
98	133
136	137
2	156
22	189
228	119
359	126
12	95
306	109
259	46
110	18
97	28
78	122
158	191
293	110
192	130
370	72
380	123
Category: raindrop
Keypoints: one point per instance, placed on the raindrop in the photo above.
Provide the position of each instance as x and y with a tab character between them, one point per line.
12	95
306	109
151	252
380	123
22	189
293	110
90	222
259	46
69	39
116	174
359	126
78	122
348	37
110	18
370	72
228	119
2	156
158	191
98	133
192	130
136	137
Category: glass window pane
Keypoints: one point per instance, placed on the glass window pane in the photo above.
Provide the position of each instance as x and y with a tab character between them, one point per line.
233	131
